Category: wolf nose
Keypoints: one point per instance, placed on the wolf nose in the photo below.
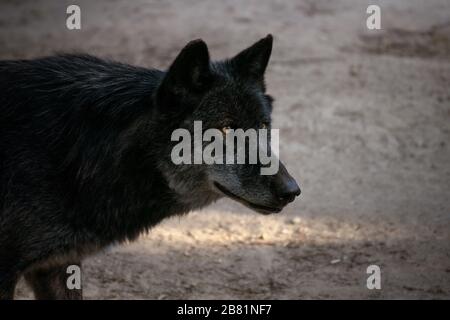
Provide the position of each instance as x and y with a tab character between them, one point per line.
288	190
291	191
285	188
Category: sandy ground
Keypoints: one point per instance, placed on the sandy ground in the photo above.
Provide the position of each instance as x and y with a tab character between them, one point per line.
365	127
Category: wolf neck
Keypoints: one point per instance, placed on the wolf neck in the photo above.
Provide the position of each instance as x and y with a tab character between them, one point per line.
138	198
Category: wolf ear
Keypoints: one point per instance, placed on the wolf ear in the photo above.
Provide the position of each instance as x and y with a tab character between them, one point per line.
252	62
190	69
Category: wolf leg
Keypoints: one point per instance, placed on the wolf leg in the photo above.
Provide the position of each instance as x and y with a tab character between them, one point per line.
52	283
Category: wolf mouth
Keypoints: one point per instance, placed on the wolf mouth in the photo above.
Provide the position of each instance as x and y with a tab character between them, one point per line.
258	207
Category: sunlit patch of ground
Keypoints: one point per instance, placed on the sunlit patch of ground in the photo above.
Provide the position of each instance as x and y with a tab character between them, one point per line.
243	256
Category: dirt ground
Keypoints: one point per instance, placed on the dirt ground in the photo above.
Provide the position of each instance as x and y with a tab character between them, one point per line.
365	128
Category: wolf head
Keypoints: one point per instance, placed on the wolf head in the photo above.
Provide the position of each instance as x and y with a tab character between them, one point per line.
224	95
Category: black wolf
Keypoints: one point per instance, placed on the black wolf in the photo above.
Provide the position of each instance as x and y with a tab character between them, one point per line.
85	149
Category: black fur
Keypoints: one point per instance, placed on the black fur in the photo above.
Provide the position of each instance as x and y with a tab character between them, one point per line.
73	174
83	146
